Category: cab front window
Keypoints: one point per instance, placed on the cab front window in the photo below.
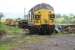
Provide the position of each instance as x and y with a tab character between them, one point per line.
37	17
51	16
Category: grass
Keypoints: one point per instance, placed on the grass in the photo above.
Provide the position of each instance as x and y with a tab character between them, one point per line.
10	30
7	45
4	47
10	45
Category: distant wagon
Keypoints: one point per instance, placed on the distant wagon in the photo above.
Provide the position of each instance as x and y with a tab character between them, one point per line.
11	22
23	24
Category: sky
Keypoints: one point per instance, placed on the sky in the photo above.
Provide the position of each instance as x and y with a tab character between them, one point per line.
15	8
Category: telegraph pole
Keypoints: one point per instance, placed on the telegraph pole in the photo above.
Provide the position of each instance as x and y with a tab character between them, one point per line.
24	14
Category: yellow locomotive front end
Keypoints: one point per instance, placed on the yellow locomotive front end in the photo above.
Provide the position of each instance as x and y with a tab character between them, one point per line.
44	16
43	20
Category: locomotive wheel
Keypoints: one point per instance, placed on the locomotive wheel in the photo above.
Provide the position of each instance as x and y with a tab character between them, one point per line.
33	31
45	30
51	31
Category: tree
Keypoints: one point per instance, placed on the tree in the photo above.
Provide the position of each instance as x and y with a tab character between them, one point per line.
66	19
1	15
58	15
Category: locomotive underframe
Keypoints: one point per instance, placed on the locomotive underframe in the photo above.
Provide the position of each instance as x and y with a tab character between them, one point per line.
42	29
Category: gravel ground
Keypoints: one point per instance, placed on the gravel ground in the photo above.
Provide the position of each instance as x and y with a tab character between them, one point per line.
36	42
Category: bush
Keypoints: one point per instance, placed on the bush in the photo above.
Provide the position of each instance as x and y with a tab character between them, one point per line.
2	33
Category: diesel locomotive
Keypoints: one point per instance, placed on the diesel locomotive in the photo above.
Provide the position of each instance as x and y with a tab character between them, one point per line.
41	19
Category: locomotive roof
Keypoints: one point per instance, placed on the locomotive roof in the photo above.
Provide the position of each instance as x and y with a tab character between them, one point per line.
40	6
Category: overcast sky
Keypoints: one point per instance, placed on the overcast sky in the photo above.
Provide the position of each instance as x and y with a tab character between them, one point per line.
15	8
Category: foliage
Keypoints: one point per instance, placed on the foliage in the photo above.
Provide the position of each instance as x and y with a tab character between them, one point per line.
1	15
10	30
7	45
65	19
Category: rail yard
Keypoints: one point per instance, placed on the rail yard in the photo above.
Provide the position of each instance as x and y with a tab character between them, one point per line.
38	32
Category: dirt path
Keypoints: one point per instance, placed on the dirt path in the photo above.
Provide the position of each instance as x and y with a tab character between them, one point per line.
46	43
